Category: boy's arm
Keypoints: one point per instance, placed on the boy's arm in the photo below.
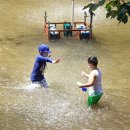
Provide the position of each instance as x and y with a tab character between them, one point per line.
57	60
90	83
84	74
47	59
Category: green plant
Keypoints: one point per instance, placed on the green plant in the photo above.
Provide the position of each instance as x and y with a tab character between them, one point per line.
118	9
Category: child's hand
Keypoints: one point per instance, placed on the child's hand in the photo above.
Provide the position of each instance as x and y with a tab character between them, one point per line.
79	84
83	73
57	60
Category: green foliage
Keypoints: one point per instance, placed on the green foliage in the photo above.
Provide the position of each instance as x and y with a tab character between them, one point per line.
115	9
93	6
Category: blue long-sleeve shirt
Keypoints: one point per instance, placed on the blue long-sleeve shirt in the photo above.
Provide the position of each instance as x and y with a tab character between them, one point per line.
39	67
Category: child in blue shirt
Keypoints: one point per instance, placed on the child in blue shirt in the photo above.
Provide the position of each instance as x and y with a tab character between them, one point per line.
37	75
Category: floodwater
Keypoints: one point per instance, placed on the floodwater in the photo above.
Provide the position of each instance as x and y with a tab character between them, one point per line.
63	105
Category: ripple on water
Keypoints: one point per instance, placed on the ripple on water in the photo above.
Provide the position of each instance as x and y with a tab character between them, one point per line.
41	108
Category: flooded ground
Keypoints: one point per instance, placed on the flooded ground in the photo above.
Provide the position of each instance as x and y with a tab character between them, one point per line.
63	105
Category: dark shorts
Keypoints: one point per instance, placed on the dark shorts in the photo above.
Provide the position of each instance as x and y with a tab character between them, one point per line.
42	83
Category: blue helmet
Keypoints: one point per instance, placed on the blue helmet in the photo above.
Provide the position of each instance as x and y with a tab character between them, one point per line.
44	48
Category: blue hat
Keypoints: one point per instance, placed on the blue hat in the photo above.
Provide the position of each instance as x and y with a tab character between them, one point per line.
44	48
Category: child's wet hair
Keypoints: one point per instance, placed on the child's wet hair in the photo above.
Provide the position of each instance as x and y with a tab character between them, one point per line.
93	60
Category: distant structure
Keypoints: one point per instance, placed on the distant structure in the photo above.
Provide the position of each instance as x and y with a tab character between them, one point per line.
82	30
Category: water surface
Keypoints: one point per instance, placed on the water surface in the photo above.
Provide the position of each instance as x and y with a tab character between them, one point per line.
63	105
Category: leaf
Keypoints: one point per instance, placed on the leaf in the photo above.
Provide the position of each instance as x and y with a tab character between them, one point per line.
101	2
128	8
121	13
108	8
116	3
128	4
94	7
88	6
109	4
125	19
128	11
107	15
113	14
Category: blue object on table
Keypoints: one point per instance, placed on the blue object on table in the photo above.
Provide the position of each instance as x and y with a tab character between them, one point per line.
84	89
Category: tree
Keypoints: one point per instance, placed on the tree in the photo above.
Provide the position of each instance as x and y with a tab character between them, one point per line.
118	9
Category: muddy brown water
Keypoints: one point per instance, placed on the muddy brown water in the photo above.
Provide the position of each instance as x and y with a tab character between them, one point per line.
63	105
